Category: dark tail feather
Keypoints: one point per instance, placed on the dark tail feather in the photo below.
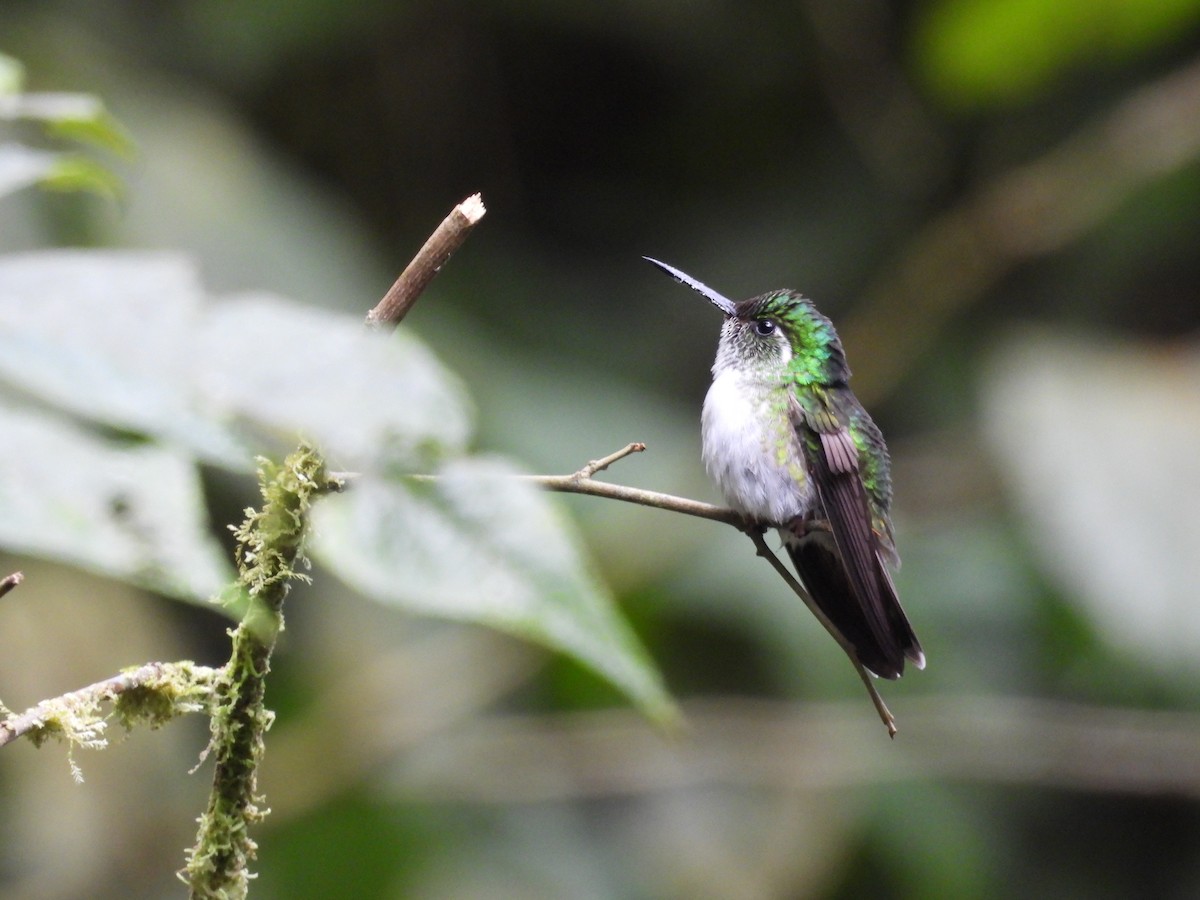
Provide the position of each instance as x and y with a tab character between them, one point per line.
821	569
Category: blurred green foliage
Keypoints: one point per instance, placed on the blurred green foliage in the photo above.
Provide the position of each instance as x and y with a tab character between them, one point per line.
980	52
72	117
995	201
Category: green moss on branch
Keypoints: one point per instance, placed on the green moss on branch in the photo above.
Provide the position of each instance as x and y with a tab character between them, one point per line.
152	695
269	554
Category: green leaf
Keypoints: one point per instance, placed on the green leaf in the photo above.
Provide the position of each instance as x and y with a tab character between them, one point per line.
78	173
478	544
980	52
77	117
22	167
131	511
12	76
97	130
80	118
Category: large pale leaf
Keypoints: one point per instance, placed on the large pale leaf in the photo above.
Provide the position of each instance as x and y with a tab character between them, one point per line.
129	341
477	544
130	510
366	398
109	337
22	166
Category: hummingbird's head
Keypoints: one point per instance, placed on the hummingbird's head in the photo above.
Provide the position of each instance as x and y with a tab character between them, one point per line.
779	333
783	329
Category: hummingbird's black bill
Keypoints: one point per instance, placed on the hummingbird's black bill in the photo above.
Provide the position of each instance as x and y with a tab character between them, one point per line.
721	302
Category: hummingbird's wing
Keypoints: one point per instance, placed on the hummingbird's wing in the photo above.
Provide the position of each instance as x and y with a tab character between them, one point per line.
860	598
875	468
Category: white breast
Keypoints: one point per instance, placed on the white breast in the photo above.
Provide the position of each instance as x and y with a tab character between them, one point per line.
751	452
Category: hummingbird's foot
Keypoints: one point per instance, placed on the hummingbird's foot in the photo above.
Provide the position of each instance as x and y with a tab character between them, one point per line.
753	527
807	524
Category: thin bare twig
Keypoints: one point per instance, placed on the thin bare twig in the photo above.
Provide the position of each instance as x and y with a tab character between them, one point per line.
599	465
447	238
582	482
766	553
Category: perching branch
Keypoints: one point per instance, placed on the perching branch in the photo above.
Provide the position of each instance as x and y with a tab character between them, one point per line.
582	482
447	238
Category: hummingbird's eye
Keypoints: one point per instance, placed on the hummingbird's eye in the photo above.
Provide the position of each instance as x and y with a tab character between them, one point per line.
764	327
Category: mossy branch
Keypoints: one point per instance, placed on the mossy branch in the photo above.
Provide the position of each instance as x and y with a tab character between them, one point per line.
269	554
152	695
269	557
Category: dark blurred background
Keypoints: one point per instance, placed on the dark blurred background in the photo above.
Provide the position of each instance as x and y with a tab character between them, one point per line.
998	203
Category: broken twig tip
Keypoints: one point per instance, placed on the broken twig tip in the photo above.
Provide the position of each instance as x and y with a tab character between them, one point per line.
428	262
473	208
8	582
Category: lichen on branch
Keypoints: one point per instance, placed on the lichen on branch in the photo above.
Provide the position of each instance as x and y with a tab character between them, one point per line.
152	695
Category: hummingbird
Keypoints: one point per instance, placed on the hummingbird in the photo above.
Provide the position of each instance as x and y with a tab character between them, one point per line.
790	447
